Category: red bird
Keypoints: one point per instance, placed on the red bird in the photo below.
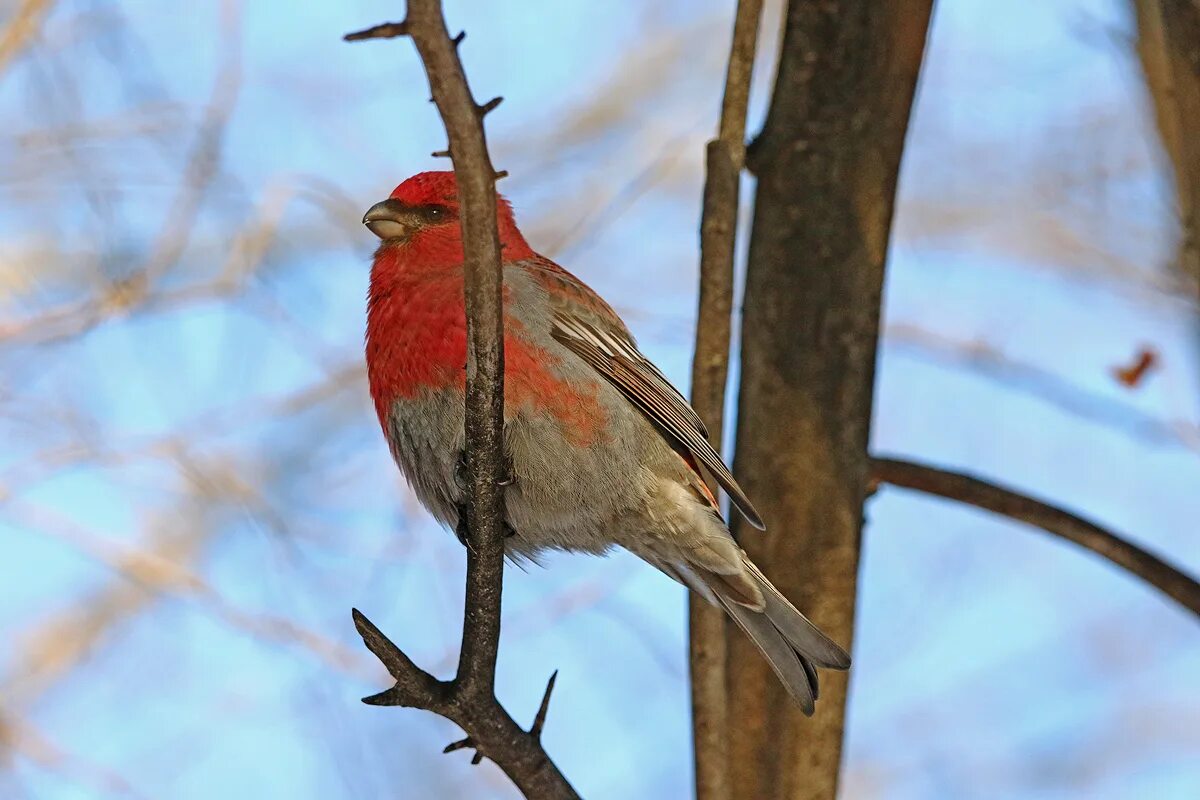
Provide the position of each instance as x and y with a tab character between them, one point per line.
603	450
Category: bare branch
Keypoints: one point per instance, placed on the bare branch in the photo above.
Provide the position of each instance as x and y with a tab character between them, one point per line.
973	491
491	732
469	700
415	688
725	156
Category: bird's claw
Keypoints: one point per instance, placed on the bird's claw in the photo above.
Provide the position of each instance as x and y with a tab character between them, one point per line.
460	530
460	472
464	743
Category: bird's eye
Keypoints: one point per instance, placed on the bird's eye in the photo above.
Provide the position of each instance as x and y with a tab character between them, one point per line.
437	212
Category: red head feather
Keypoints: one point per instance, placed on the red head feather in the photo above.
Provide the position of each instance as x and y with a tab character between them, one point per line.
416	324
443	242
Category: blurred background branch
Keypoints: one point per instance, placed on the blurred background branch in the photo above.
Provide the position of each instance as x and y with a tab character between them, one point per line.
21	27
1139	563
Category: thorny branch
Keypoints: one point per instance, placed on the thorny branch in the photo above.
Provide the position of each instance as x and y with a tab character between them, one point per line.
469	699
725	157
973	491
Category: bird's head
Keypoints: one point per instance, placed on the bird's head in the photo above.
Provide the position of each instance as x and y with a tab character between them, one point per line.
422	214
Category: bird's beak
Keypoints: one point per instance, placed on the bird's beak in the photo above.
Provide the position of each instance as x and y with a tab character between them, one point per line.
391	219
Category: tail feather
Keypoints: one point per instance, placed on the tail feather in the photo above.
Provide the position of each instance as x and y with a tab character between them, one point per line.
792	644
795	672
809	640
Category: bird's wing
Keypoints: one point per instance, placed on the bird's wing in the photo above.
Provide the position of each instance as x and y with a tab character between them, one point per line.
593	332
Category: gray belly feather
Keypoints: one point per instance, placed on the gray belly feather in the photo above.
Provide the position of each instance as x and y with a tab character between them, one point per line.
565	496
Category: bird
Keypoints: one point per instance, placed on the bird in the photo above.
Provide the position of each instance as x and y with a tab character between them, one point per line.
603	451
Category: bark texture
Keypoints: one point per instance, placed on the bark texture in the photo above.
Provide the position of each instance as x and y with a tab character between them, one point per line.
827	162
725	156
1169	47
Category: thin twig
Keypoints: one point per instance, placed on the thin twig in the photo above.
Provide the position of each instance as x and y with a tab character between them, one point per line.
725	157
469	700
973	491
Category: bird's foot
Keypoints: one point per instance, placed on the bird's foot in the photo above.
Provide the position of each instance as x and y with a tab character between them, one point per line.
460	473
460	530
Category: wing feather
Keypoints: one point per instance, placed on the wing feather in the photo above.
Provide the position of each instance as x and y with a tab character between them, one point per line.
613	354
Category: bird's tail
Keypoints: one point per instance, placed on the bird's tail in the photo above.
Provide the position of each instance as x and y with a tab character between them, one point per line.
792	644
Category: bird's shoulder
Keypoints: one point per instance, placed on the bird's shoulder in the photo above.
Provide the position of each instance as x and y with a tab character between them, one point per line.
567	295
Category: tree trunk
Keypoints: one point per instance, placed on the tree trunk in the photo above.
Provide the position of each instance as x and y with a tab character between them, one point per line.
1169	47
826	162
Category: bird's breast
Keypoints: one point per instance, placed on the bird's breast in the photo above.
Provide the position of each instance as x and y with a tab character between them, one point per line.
417	344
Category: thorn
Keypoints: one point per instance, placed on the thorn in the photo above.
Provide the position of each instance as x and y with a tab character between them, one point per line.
490	106
440	154
539	721
388	30
458	39
500	175
464	743
385	698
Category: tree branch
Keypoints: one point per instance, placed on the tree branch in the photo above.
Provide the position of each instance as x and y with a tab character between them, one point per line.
469	700
725	157
973	491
